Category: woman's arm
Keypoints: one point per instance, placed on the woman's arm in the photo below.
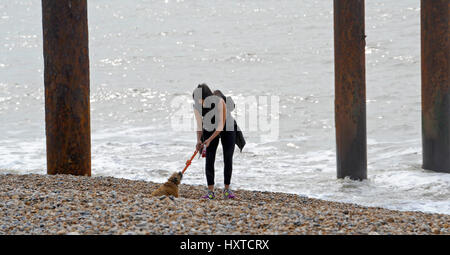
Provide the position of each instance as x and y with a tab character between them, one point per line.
222	113
198	119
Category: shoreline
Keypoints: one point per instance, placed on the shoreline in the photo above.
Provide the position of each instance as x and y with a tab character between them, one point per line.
65	204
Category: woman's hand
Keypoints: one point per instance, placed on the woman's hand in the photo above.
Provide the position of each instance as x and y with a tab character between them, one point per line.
207	142
199	145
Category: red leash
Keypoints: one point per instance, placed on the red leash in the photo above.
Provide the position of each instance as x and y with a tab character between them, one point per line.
188	163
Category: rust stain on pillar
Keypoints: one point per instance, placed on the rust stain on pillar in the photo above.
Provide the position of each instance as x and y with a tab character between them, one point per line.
350	89
66	78
435	84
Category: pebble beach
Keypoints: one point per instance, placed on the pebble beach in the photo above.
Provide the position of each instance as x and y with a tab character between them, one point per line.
64	204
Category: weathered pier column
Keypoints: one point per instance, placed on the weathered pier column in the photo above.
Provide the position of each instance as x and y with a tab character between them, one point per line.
66	78
350	89
435	30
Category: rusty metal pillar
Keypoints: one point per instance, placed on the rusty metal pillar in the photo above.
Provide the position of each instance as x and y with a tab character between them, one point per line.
350	89
66	78
435	30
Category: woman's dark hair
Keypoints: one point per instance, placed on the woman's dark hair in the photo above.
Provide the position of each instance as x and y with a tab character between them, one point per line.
228	100
219	94
202	91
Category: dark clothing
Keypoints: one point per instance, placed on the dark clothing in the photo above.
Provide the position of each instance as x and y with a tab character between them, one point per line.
229	137
240	141
228	140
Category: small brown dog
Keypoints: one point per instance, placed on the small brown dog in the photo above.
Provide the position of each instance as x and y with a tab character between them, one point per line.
170	188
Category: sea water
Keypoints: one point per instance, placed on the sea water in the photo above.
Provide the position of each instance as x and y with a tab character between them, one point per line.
147	55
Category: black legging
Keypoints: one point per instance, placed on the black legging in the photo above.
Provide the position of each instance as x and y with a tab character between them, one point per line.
228	139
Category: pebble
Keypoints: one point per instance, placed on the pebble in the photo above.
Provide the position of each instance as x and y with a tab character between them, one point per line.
71	205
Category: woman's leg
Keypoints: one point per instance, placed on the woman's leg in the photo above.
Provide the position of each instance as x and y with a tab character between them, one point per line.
228	139
210	159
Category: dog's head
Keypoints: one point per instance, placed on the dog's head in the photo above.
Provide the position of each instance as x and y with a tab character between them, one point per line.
176	178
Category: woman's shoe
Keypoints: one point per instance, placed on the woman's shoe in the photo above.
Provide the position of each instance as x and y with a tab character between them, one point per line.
210	195
227	194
